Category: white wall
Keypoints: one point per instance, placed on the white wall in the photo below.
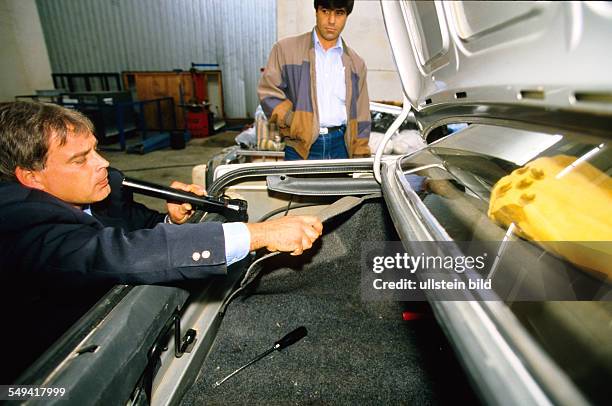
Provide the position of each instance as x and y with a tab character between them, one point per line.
24	62
364	32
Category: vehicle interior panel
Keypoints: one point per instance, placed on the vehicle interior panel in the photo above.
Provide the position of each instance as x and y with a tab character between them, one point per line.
121	341
338	186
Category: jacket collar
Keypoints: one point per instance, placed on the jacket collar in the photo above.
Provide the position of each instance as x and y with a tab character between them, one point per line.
17	194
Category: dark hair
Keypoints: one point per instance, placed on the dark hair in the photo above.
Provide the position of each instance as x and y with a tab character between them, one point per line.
335	5
25	133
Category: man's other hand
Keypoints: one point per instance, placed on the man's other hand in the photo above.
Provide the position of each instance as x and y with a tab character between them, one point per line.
290	234
180	213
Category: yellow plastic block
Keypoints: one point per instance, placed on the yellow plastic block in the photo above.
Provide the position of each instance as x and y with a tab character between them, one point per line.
552	200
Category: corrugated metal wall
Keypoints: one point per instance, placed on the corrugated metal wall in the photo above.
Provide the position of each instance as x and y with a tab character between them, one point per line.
120	35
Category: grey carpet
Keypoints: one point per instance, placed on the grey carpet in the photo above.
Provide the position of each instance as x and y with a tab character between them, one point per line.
356	352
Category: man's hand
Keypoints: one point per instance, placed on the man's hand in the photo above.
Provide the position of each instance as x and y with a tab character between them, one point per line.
180	213
290	234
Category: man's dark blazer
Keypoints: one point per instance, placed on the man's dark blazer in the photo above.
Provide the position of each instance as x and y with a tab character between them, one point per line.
57	261
46	239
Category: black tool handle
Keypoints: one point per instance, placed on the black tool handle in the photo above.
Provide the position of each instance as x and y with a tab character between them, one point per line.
293	337
171	194
232	209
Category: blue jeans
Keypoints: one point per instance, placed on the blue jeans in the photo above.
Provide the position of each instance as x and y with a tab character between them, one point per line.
327	146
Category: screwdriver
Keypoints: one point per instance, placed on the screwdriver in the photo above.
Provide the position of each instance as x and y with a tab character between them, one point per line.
291	338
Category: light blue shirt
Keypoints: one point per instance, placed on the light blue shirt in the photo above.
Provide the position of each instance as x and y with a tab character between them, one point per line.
237	240
331	86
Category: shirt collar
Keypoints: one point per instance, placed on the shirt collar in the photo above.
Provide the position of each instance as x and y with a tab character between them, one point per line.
318	43
87	209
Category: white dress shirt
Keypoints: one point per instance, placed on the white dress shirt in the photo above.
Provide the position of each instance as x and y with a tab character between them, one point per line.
331	87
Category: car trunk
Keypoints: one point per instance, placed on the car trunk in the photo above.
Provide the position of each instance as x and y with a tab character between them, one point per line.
355	350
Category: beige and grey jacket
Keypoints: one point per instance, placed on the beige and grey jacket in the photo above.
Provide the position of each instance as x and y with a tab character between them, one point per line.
288	94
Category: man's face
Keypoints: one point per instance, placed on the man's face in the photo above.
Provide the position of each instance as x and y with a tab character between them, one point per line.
75	172
330	23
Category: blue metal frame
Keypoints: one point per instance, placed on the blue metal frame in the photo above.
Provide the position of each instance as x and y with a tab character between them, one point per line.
121	107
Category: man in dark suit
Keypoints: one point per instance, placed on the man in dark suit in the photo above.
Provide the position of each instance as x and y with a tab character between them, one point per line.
68	231
63	217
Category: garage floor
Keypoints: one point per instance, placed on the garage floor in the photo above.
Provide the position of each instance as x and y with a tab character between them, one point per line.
164	166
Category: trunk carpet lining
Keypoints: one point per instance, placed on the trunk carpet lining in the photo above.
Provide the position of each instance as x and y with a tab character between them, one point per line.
355	351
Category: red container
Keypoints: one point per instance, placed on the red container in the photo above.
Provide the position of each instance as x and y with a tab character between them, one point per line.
198	123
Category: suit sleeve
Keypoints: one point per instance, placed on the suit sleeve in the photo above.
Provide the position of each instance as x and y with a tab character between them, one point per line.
80	253
272	90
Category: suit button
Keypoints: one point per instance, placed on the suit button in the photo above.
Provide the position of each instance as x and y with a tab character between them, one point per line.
205	254
195	256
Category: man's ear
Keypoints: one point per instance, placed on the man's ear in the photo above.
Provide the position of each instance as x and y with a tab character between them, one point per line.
29	178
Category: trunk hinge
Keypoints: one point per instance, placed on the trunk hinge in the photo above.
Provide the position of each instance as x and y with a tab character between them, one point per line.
182	344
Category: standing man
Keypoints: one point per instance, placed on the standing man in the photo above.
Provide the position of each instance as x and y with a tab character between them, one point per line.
314	87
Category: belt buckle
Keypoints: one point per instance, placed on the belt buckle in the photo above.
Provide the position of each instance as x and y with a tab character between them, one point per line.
323	130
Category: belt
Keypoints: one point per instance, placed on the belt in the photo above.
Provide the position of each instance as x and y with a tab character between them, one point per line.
327	130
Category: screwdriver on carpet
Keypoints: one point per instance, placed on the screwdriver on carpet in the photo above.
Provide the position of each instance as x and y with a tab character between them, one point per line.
291	338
